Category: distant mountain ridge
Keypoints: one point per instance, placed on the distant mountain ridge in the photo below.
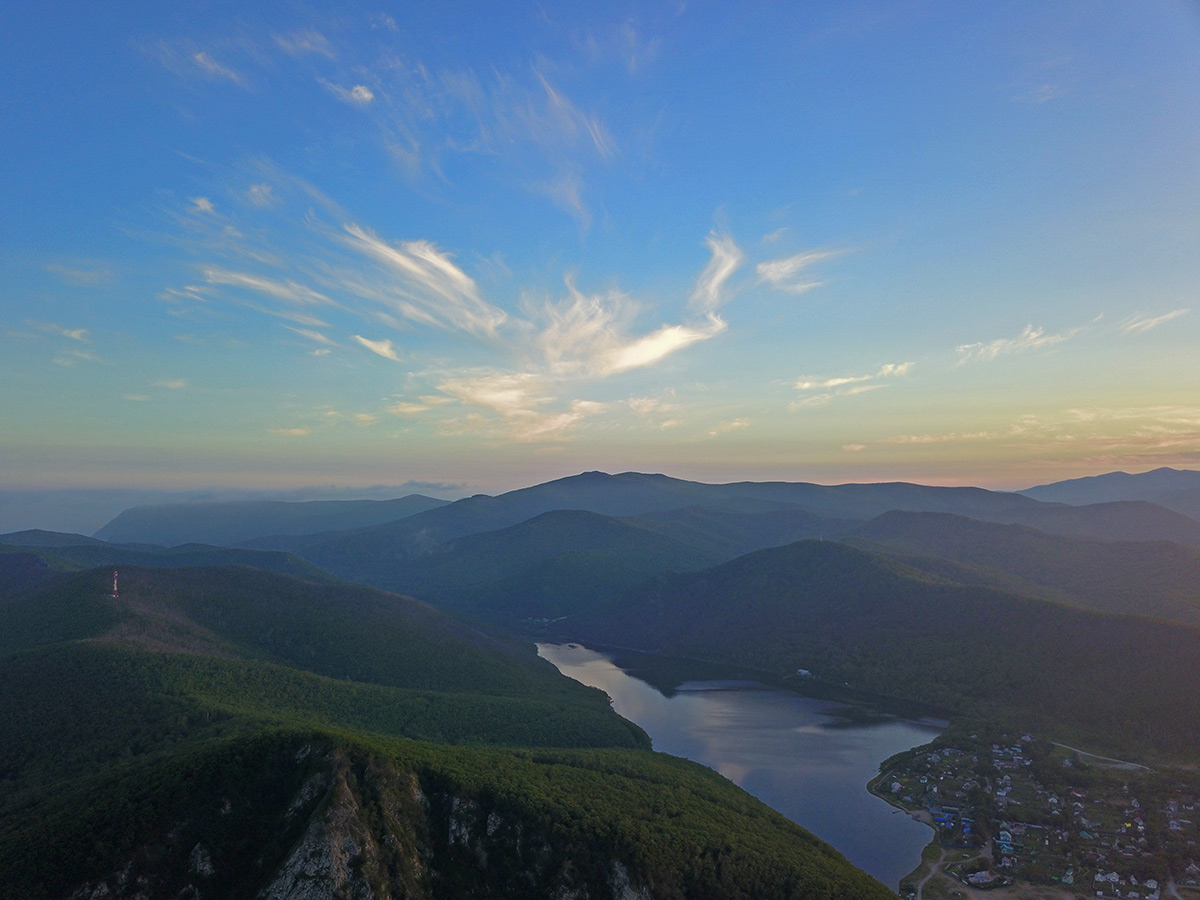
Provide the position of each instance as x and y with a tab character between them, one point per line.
388	555
414	524
231	523
1177	489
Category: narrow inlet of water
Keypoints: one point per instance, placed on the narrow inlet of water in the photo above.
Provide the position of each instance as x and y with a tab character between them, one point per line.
783	748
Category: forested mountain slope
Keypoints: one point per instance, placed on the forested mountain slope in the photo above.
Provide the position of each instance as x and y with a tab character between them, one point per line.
233	733
853	617
1148	578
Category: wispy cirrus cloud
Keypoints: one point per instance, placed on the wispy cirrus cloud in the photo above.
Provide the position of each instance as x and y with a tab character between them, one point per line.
1029	339
561	120
406	408
889	370
946	438
74	356
261	195
626	44
590	333
709	293
726	427
304	41
356	95
337	284
53	328
784	274
314	336
523	116
383	347
521	399
431	289
209	66
187	59
566	191
819	391
1139	324
287	290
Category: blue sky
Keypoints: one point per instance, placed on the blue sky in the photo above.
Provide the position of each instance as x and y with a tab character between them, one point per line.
481	246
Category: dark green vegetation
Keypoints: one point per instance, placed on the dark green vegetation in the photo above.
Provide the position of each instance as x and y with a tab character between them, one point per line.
230	732
1119	682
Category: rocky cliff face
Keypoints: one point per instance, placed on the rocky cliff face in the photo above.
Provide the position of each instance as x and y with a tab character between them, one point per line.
352	827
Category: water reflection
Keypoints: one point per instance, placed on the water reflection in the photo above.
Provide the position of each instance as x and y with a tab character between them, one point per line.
780	747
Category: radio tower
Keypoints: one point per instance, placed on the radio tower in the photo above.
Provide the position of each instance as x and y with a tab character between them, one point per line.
114	593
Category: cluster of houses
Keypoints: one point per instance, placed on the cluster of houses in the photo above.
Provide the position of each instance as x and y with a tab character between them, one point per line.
1025	811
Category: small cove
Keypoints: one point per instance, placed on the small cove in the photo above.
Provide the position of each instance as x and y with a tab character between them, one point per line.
784	748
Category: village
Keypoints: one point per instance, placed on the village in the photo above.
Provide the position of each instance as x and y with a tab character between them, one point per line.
1016	815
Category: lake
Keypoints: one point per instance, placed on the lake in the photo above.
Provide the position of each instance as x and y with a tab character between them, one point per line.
779	746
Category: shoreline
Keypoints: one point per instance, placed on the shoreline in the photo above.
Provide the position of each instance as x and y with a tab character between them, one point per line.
920	815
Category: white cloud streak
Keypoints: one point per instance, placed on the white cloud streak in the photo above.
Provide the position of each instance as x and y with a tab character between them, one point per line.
214	69
1029	339
708	294
845	385
726	427
73	334
782	274
890	370
1140	324
431	289
383	347
289	291
588	333
299	43
358	95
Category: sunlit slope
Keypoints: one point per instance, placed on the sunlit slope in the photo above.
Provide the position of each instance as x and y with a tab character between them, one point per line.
853	617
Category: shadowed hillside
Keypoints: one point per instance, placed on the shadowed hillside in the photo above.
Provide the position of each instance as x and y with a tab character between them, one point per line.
1149	578
852	617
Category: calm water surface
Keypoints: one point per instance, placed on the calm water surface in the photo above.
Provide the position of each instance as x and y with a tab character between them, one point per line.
780	747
